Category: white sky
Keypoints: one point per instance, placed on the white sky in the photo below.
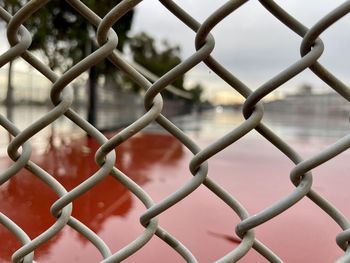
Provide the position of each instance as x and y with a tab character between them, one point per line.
251	43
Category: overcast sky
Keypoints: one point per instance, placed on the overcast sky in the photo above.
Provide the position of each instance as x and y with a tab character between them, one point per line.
251	43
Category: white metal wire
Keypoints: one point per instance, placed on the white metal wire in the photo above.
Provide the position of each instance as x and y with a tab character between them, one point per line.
61	96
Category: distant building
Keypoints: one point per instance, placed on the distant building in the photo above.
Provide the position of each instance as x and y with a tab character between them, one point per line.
311	104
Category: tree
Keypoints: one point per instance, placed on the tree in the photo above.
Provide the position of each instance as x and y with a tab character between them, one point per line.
305	89
64	37
196	92
145	53
11	6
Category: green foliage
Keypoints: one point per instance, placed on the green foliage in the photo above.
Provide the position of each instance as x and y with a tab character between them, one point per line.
145	53
11	5
196	92
63	35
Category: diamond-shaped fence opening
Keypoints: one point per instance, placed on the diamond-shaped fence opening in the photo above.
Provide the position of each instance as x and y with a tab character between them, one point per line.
124	161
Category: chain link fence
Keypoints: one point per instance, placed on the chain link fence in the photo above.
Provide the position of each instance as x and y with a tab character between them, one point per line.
61	95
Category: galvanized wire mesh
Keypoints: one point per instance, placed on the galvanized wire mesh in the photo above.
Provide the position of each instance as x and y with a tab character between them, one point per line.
19	150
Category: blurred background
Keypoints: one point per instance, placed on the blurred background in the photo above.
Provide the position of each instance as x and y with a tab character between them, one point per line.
256	48
252	45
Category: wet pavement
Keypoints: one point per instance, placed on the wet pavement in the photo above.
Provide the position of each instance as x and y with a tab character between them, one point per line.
252	170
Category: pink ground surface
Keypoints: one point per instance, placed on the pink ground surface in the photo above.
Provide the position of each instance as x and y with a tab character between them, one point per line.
252	170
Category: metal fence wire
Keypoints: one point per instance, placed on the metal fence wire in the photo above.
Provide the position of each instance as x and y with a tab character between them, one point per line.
19	149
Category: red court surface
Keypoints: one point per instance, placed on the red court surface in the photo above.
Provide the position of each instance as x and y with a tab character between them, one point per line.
252	170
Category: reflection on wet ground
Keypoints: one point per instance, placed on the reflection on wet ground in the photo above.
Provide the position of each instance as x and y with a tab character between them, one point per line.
214	124
252	170
27	200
